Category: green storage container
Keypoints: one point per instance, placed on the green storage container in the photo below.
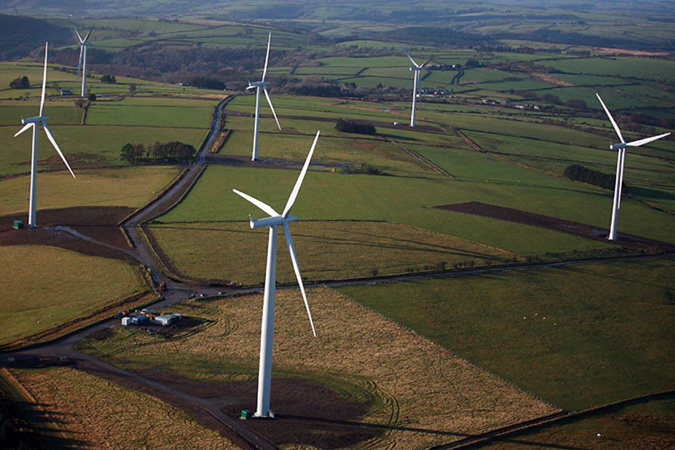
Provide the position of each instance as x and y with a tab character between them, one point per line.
246	414
18	224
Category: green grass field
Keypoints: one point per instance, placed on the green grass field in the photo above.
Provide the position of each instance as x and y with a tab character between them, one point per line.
91	145
131	186
635	426
44	287
577	336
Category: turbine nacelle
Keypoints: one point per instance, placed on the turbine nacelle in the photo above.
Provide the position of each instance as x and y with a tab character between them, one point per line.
257	84
36	119
274	221
618	146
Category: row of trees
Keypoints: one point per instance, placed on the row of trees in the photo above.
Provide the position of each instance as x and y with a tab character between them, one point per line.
349	126
158	152
575	172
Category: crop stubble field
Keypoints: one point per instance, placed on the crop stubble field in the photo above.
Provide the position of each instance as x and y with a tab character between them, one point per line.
91	411
410	373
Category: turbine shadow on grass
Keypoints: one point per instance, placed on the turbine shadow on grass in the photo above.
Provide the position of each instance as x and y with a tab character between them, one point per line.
413	430
651	193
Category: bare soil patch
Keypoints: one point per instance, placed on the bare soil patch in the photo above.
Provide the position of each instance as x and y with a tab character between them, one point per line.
304	402
556	224
98	223
551	79
77	161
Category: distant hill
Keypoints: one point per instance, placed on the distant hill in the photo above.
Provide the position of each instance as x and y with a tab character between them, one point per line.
21	35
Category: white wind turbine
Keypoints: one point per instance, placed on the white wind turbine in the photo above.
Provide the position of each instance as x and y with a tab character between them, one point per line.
82	62
416	68
619	166
267	329
258	86
33	122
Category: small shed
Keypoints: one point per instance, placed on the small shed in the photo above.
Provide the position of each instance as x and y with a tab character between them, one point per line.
18	225
167	319
140	320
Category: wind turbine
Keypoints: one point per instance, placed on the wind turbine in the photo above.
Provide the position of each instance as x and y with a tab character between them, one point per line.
258	86
82	62
416	68
33	122
267	329
619	166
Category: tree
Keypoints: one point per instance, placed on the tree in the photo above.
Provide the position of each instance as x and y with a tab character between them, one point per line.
471	62
127	153
551	98
577	104
20	83
348	126
110	79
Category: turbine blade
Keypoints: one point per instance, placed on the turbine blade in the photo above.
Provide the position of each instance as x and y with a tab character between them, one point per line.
56	147
79	36
611	119
296	269
646	140
425	63
87	36
25	127
410	58
263	206
303	172
267	57
44	81
267	95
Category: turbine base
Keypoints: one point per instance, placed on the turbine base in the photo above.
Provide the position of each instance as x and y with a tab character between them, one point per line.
269	416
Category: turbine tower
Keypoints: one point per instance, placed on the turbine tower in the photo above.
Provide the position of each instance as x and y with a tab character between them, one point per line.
82	63
34	122
619	166
267	329
261	86
416	68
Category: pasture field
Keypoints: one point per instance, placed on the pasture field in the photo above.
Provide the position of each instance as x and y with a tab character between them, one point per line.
138	115
131	186
619	67
232	251
88	146
334	196
44	287
409	384
643	425
60	113
92	410
595	334
641	166
340	151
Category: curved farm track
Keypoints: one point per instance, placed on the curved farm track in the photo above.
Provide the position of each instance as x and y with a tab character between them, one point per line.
118	234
